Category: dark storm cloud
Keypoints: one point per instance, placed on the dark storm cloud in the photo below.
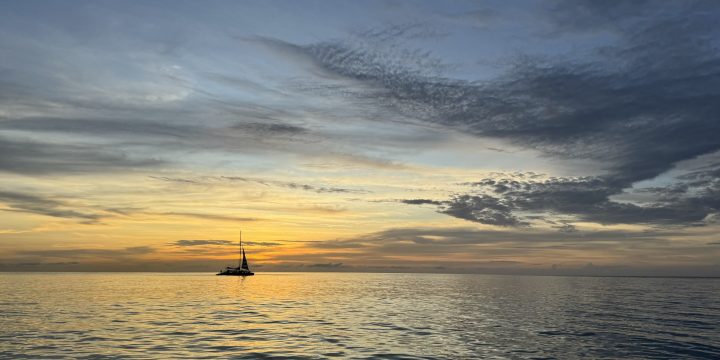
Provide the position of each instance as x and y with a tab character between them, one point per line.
574	16
516	200
38	158
34	204
708	176
636	122
587	199
481	208
638	114
400	32
637	107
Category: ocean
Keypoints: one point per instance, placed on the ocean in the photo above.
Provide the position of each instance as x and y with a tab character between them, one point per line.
357	316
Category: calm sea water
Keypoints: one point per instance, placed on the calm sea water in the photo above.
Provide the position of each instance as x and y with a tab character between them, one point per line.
323	315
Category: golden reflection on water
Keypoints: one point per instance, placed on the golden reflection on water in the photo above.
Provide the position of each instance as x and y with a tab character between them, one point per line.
318	315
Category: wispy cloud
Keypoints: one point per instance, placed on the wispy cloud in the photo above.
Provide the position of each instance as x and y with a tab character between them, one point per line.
35	204
185	243
31	157
326	265
203	242
320	189
216	217
85	253
293	185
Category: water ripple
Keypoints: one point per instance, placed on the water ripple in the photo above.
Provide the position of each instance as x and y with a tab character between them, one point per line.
359	316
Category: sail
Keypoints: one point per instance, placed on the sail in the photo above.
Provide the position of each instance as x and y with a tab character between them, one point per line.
244	261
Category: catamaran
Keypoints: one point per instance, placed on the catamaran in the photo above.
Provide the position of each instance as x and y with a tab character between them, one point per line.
243	269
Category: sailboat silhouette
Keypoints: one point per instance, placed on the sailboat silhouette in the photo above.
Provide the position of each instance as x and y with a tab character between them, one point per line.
243	269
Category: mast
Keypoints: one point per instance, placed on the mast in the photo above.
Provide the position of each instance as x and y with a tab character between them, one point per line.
240	250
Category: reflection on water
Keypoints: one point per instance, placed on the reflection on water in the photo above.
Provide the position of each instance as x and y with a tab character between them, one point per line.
319	315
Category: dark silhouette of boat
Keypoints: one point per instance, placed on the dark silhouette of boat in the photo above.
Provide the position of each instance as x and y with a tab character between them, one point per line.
243	269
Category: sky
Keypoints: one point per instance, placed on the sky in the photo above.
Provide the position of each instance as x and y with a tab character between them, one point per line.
525	137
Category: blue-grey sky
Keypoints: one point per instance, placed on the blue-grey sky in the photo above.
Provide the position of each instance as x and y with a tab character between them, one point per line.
544	137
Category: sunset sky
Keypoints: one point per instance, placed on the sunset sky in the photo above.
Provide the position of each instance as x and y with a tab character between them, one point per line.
534	137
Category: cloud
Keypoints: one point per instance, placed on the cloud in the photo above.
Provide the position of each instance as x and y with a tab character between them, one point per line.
638	119
568	16
84	253
509	251
442	240
481	18
81	259
481	208
102	127
266	182
421	202
33	264
215	217
155	126
176	180
203	242
636	108
186	243
567	228
637	98
507	201
326	210
294	186
34	204
271	128
325	265
394	33
564	110
39	158
155	104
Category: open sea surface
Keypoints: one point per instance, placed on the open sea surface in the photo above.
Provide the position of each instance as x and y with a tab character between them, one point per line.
360	316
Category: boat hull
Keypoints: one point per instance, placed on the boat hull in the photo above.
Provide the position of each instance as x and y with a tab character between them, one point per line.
236	271
223	274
